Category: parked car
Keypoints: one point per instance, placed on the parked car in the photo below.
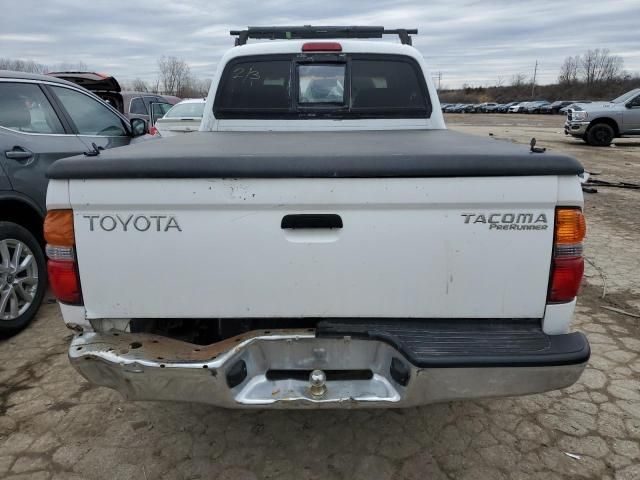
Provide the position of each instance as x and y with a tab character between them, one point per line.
490	108
485	107
470	108
457	108
504	108
130	104
554	108
598	123
183	117
42	119
534	107
262	263
519	107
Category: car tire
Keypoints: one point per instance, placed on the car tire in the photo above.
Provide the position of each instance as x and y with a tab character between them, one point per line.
23	282
600	135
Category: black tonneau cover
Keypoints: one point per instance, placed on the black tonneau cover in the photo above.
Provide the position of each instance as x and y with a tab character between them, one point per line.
360	154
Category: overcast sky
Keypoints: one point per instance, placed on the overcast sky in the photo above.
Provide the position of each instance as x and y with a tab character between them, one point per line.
474	42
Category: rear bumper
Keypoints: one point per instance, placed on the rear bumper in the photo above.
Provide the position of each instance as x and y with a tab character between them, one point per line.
240	371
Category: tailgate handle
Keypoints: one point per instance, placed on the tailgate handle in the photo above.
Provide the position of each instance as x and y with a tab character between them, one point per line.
312	220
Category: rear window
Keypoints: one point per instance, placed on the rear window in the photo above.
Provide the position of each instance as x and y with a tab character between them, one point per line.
255	86
322	85
137	106
186	110
380	85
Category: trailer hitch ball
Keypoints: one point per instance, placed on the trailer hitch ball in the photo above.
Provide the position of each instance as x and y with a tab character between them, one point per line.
317	383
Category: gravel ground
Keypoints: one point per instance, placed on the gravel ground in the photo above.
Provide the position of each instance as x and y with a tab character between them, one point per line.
54	425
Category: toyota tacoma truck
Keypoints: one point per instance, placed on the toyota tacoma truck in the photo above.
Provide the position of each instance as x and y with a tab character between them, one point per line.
599	123
322	241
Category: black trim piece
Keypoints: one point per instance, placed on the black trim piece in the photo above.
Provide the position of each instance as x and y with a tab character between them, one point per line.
400	371
15	196
320	32
60	111
459	343
236	374
311	220
331	375
353	154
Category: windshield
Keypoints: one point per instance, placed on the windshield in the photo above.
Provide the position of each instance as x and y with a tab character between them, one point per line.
182	110
627	96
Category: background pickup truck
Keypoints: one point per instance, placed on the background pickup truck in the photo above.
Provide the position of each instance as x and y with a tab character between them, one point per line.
323	241
599	123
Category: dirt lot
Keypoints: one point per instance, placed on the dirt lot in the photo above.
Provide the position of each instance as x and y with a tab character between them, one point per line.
54	425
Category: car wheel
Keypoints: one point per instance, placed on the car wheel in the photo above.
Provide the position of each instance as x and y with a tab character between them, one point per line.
23	277
600	135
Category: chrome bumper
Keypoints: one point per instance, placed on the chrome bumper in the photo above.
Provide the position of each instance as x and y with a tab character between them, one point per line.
234	373
577	129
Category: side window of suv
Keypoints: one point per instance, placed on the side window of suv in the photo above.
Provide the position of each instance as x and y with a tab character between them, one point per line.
24	108
89	115
635	102
137	106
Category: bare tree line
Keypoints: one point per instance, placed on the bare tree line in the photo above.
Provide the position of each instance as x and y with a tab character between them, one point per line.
592	67
174	76
30	66
593	72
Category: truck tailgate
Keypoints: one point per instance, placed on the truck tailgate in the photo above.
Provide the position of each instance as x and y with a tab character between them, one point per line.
475	247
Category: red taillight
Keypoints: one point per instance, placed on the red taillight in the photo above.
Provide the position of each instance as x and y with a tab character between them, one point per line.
321	47
64	281
566	278
153	130
567	265
62	267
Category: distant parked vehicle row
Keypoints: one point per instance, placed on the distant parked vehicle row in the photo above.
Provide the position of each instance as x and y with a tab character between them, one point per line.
536	106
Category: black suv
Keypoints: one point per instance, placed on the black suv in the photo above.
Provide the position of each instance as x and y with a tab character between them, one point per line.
42	119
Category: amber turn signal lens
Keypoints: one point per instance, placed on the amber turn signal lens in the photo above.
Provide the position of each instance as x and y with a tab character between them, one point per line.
58	228
570	225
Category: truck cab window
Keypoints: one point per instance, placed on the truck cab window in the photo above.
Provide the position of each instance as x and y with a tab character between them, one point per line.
308	86
255	86
385	85
321	84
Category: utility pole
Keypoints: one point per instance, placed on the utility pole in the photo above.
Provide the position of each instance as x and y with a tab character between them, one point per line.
439	79
533	84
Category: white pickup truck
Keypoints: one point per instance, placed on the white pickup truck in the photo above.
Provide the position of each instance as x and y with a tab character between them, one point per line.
323	241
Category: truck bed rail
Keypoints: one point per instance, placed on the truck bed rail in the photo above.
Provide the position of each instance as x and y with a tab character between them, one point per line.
365	154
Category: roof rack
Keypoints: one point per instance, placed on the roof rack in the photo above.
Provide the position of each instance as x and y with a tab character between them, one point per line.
310	31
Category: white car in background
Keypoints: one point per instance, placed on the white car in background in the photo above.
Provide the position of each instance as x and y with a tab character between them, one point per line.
517	108
184	117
